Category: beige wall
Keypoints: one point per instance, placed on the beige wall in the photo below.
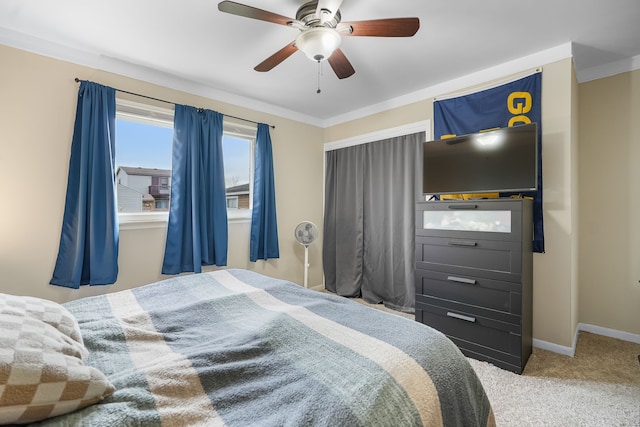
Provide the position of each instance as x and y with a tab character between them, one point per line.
37	110
609	170
408	114
553	276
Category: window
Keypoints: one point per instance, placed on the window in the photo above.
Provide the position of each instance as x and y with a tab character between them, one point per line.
232	202
144	139
162	204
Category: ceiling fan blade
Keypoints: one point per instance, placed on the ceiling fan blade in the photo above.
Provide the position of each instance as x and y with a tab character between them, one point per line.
326	9
253	12
276	58
341	65
392	27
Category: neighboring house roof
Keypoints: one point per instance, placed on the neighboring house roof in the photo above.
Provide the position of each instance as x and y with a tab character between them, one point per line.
145	171
238	189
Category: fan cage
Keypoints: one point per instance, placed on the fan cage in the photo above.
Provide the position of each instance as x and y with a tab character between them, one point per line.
306	233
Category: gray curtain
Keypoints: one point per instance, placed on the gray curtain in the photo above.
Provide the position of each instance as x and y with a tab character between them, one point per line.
369	229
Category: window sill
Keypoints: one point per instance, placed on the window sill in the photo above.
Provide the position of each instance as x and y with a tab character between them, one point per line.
239	215
137	221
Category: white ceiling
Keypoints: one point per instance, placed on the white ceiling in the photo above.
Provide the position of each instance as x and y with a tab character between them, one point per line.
190	45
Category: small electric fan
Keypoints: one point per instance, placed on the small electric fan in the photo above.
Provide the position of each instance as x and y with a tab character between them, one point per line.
306	233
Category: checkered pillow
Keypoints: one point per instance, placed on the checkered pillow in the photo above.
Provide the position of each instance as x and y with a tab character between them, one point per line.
42	370
48	311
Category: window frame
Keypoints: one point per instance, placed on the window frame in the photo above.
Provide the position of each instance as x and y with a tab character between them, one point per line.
234	198
156	115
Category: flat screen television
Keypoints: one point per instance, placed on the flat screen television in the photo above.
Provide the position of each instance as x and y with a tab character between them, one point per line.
503	160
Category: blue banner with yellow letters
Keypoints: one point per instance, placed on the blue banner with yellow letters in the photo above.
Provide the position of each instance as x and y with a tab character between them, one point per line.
511	104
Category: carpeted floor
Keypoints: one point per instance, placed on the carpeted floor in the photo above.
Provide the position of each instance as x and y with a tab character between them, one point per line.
599	386
598	358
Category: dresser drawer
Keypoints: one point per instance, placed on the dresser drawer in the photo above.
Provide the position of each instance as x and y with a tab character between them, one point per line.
472	290
497	219
470	309
501	340
474	257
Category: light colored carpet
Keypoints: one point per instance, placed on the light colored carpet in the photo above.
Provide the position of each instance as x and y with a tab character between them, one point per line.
599	387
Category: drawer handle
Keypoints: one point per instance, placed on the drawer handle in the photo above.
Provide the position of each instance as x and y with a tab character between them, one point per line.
462	243
461	317
463	206
462	280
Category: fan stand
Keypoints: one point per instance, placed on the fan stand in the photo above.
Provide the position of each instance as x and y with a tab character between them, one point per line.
306	264
306	233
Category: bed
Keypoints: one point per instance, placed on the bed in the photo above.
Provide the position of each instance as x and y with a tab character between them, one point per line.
237	348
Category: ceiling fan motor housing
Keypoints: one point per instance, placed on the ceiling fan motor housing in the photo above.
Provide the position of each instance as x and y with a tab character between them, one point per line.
307	15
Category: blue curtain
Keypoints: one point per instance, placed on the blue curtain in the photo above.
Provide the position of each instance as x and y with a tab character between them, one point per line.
88	252
264	224
197	234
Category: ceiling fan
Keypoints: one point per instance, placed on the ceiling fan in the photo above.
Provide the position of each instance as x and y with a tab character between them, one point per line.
321	32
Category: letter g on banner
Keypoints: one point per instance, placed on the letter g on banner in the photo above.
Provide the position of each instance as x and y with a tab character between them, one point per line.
519	104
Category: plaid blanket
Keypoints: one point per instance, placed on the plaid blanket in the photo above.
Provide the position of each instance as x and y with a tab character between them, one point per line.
236	348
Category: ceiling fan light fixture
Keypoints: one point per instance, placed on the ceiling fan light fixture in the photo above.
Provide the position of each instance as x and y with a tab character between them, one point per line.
318	43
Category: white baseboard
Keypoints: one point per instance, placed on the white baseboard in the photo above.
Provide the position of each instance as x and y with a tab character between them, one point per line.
607	332
555	348
317	287
599	330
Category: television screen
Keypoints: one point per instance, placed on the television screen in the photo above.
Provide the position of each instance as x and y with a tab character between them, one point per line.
502	160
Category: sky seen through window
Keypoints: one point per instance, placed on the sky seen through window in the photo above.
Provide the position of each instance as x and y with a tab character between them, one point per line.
146	146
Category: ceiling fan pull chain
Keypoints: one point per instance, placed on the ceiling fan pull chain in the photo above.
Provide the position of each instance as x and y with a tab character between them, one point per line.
319	72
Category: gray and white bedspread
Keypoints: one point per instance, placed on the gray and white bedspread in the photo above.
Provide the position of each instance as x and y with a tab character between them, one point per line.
236	348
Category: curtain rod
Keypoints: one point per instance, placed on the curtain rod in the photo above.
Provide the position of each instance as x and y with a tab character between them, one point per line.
169	102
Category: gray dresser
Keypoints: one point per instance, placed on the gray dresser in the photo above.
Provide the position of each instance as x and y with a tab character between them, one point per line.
474	276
